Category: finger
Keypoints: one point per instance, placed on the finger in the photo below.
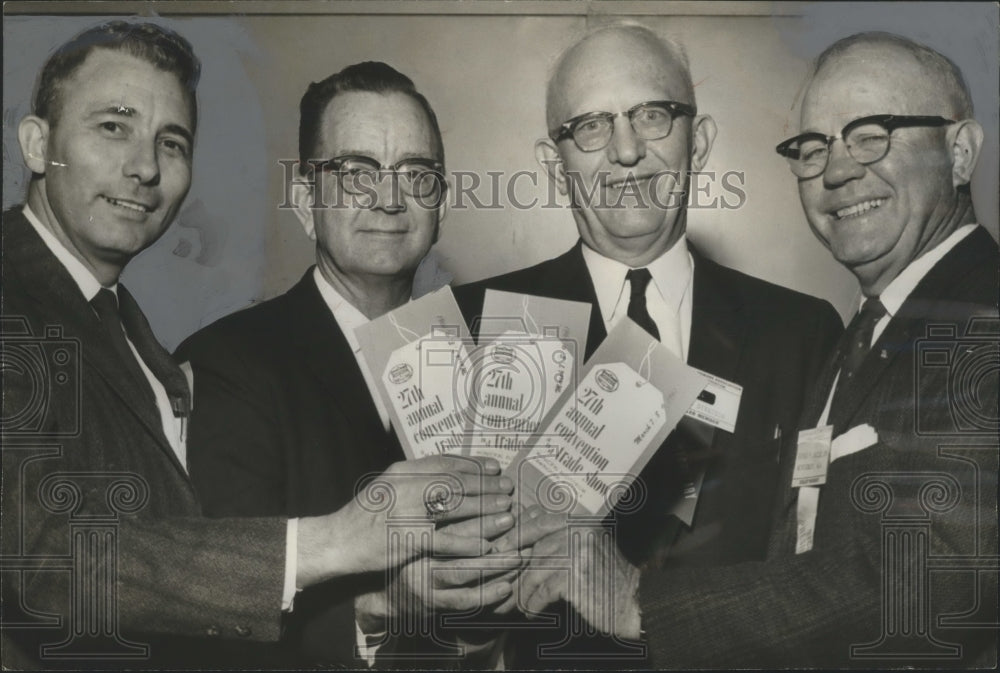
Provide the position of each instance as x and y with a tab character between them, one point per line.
470	598
487	526
474	571
475	506
450	463
544	595
530	530
444	544
474	484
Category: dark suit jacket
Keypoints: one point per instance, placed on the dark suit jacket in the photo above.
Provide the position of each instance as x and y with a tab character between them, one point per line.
70	408
284	424
929	388
770	340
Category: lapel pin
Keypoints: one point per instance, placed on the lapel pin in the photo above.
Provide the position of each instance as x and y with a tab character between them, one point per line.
884	355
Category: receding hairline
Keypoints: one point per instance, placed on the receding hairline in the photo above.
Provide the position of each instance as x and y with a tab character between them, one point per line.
669	50
955	91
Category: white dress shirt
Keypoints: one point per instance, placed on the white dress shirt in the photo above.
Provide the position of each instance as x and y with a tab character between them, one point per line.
668	297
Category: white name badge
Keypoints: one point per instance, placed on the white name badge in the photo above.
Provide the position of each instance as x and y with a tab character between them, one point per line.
600	433
856	439
515	381
812	456
718	404
805	517
420	381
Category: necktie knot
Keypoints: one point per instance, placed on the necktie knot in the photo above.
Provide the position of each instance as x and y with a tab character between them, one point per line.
638	281
105	302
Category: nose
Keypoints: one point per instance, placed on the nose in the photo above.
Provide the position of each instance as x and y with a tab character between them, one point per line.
841	167
142	163
389	199
626	147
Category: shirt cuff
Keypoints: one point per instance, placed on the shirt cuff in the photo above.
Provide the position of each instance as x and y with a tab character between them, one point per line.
291	565
366	651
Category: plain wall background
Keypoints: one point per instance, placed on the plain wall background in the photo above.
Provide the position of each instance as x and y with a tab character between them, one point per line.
483	66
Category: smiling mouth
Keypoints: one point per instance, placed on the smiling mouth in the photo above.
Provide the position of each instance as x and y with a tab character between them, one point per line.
858	209
634	179
129	205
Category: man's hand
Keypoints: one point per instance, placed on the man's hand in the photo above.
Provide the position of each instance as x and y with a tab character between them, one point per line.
394	506
426	585
583	566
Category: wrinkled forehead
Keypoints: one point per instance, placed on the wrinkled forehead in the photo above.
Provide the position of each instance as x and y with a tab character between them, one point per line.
870	80
615	70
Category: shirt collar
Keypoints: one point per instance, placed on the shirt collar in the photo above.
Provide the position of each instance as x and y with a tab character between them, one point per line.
348	317
671	273
902	285
84	279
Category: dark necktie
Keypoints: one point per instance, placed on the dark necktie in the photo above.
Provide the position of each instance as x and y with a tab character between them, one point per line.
856	344
113	317
638	280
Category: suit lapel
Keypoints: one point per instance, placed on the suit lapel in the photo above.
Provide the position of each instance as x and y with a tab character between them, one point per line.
332	361
568	278
930	300
718	324
48	282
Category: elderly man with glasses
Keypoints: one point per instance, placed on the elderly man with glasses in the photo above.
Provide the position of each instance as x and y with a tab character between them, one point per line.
288	420
624	136
887	556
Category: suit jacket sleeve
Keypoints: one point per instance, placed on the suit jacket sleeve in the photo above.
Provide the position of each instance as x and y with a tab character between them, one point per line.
176	575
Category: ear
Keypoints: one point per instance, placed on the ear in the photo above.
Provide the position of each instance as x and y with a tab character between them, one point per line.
547	155
444	208
33	136
965	138
302	201
703	130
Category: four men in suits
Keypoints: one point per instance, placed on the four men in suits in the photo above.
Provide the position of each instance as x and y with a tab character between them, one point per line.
104	540
890	558
285	421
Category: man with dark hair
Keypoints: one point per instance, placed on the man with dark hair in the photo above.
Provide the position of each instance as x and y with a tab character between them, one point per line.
891	558
103	534
288	418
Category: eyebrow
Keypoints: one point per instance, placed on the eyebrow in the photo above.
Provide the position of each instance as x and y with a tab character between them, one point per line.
405	157
122	110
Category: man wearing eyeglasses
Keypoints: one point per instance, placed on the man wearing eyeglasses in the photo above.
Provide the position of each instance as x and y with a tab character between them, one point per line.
624	135
890	558
288	420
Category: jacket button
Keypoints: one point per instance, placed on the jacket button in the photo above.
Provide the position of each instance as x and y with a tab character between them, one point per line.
243	631
213	631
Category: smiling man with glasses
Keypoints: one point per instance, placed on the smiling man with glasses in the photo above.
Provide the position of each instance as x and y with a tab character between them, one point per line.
889	559
624	134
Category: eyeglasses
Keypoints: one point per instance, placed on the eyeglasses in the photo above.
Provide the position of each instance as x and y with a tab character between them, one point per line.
421	178
650	121
866	140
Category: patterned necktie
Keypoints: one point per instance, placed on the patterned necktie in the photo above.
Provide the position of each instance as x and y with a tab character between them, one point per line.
857	342
114	315
638	281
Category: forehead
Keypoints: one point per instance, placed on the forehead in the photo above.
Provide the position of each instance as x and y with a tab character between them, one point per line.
615	71
387	126
108	78
870	80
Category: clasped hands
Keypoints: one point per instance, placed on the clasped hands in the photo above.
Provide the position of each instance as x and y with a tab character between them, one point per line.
479	555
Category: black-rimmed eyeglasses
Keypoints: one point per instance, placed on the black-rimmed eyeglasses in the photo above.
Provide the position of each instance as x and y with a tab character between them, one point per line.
866	140
358	174
651	120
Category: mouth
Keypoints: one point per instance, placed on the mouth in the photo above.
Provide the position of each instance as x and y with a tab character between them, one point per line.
618	183
132	206
858	209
